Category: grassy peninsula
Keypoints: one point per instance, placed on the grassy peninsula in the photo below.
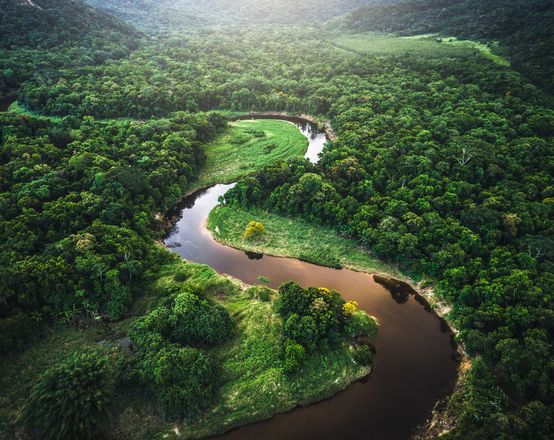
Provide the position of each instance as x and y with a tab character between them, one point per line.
295	238
248	145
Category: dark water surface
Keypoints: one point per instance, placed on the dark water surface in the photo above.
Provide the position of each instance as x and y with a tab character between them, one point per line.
414	365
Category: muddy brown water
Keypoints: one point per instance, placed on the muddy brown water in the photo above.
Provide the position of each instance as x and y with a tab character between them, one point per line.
413	367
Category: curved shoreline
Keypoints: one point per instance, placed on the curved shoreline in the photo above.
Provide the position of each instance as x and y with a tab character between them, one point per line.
423	296
393	283
438	419
302	118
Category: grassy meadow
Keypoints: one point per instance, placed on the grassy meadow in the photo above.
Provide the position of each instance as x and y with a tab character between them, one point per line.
288	237
424	45
248	145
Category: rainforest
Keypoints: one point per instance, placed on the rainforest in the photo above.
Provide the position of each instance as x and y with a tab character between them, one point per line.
275	219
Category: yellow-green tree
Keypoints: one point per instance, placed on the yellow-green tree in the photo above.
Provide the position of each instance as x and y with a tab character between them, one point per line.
254	230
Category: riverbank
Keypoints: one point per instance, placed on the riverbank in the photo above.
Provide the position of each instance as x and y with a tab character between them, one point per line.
246	146
286	237
254	385
319	124
296	238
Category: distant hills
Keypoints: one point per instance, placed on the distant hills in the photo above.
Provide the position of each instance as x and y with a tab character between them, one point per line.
525	28
54	23
163	15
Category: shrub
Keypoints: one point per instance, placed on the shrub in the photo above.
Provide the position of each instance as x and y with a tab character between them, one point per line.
196	321
263	293
71	400
15	332
360	324
255	132
149	332
262	279
294	356
254	230
304	330
363	354
184	379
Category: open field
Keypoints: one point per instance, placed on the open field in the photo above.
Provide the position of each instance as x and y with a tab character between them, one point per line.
425	45
287	237
247	146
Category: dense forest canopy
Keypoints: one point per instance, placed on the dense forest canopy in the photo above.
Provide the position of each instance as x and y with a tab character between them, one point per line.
51	23
39	39
443	164
523	27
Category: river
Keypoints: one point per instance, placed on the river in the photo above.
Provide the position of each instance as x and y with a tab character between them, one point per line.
414	366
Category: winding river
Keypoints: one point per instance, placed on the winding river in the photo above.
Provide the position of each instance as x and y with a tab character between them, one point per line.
414	366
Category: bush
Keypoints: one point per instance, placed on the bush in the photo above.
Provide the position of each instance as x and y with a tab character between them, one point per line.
261	293
304	330
360	324
294	356
184	379
71	400
255	132
196	321
15	332
254	230
180	277
363	355
264	293
149	332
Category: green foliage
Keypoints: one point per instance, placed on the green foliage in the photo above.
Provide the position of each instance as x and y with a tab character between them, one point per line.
237	151
178	15
78	211
16	331
360	324
294	356
254	230
72	399
363	354
184	379
261	293
314	318
263	279
255	132
523	27
168	359
442	165
196	321
295	238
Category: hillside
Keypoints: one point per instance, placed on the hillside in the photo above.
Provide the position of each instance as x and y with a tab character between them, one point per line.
166	15
52	23
39	38
525	29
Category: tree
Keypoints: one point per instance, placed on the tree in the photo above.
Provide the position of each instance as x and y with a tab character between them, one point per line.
294	356
72	399
254	230
184	379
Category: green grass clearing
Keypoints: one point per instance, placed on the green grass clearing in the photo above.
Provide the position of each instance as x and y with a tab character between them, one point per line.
247	146
286	237
430	45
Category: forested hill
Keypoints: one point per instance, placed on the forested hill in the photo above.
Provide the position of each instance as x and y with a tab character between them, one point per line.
51	23
163	15
40	38
525	28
